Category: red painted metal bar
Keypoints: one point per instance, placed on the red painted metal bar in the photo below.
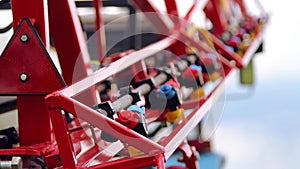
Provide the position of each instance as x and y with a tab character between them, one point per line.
19	152
226	53
244	60
35	10
101	155
118	66
181	131
70	45
34	125
214	11
140	69
243	8
190	12
63	139
171	6
133	162
190	104
100	31
160	161
189	156
95	152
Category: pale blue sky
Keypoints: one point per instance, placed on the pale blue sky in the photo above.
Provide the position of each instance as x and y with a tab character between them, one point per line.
262	131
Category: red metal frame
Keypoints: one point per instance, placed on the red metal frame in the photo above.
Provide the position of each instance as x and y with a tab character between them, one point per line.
75	65
100	31
216	13
172	10
189	155
28	72
69	54
62	99
133	162
38	14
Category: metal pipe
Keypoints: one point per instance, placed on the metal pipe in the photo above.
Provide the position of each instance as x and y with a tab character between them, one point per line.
161	78
143	89
15	163
122	102
127	99
184	63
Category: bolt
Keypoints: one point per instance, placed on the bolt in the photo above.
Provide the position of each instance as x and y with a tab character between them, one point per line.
24	38
24	77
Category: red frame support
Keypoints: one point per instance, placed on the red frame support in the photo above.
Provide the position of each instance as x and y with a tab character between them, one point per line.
75	65
35	10
38	13
34	75
218	16
62	99
172	10
171	6
100	31
189	155
70	57
214	11
70	45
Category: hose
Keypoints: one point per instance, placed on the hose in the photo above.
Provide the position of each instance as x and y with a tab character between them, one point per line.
7	28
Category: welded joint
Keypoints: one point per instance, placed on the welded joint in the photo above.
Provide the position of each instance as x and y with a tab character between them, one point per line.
53	101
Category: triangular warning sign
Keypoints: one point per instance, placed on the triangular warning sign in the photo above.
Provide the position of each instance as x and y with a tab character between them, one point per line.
25	66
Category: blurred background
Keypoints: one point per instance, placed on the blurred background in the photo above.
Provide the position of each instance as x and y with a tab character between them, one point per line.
260	124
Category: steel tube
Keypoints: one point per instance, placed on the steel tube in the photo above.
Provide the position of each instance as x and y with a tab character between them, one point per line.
127	99
122	102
